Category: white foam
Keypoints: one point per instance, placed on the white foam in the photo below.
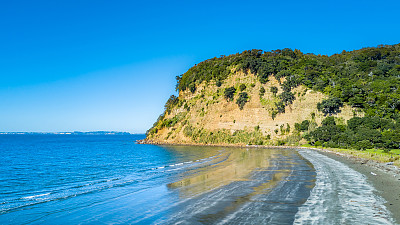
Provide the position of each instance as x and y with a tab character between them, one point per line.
341	196
35	196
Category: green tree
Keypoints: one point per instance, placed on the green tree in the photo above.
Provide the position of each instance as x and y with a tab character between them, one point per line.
262	91
229	93
242	99
242	87
192	88
274	90
363	144
287	98
330	106
303	126
330	120
171	102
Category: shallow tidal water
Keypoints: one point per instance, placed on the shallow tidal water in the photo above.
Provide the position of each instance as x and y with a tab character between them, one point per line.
62	179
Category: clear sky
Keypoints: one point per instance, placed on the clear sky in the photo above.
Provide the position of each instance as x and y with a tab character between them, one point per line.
111	65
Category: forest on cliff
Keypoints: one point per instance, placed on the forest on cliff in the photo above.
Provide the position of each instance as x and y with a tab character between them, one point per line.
367	79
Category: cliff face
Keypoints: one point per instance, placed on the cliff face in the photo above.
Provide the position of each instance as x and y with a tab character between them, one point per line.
206	116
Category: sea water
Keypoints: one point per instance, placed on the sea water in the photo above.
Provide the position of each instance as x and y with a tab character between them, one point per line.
92	179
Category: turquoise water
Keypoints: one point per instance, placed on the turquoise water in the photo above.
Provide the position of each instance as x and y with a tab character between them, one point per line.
71	179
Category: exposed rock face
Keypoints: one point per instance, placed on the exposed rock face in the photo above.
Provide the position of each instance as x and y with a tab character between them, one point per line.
207	117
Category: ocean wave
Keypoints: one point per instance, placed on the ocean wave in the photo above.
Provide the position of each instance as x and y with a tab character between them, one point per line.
36	196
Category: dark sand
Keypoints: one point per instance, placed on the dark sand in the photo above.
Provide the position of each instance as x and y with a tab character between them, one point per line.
385	178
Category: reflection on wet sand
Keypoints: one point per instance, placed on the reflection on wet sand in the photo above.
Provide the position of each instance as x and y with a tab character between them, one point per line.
239	185
231	166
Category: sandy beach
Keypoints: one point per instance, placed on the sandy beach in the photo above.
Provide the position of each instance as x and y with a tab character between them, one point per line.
385	178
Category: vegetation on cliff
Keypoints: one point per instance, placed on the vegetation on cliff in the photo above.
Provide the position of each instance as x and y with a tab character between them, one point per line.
358	133
368	80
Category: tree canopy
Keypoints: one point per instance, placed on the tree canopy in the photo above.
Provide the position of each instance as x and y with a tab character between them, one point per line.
368	78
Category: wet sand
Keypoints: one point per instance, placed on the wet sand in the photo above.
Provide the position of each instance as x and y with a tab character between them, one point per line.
385	178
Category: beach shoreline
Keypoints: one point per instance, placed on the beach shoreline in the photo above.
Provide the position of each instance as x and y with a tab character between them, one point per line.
384	176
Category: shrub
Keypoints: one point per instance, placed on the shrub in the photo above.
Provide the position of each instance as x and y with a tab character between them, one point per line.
364	144
287	97
262	91
330	120
186	106
229	93
171	102
192	88
242	87
330	106
274	90
287	128
280	107
263	80
303	126
281	142
188	131
242	99
273	114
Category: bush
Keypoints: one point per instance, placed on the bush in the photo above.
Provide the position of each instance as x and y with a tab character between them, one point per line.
242	87
229	93
281	142
186	106
218	83
188	131
287	98
330	106
274	114
364	144
263	80
280	107
303	126
330	120
171	102
241	101
262	91
192	88
274	90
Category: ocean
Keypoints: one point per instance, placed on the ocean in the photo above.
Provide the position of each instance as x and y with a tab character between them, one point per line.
109	179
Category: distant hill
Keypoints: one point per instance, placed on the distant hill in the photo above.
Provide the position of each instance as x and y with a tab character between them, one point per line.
287	97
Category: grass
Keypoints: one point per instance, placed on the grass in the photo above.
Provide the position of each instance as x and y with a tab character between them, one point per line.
369	154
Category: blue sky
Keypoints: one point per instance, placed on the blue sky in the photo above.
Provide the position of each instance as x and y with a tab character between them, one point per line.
111	65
